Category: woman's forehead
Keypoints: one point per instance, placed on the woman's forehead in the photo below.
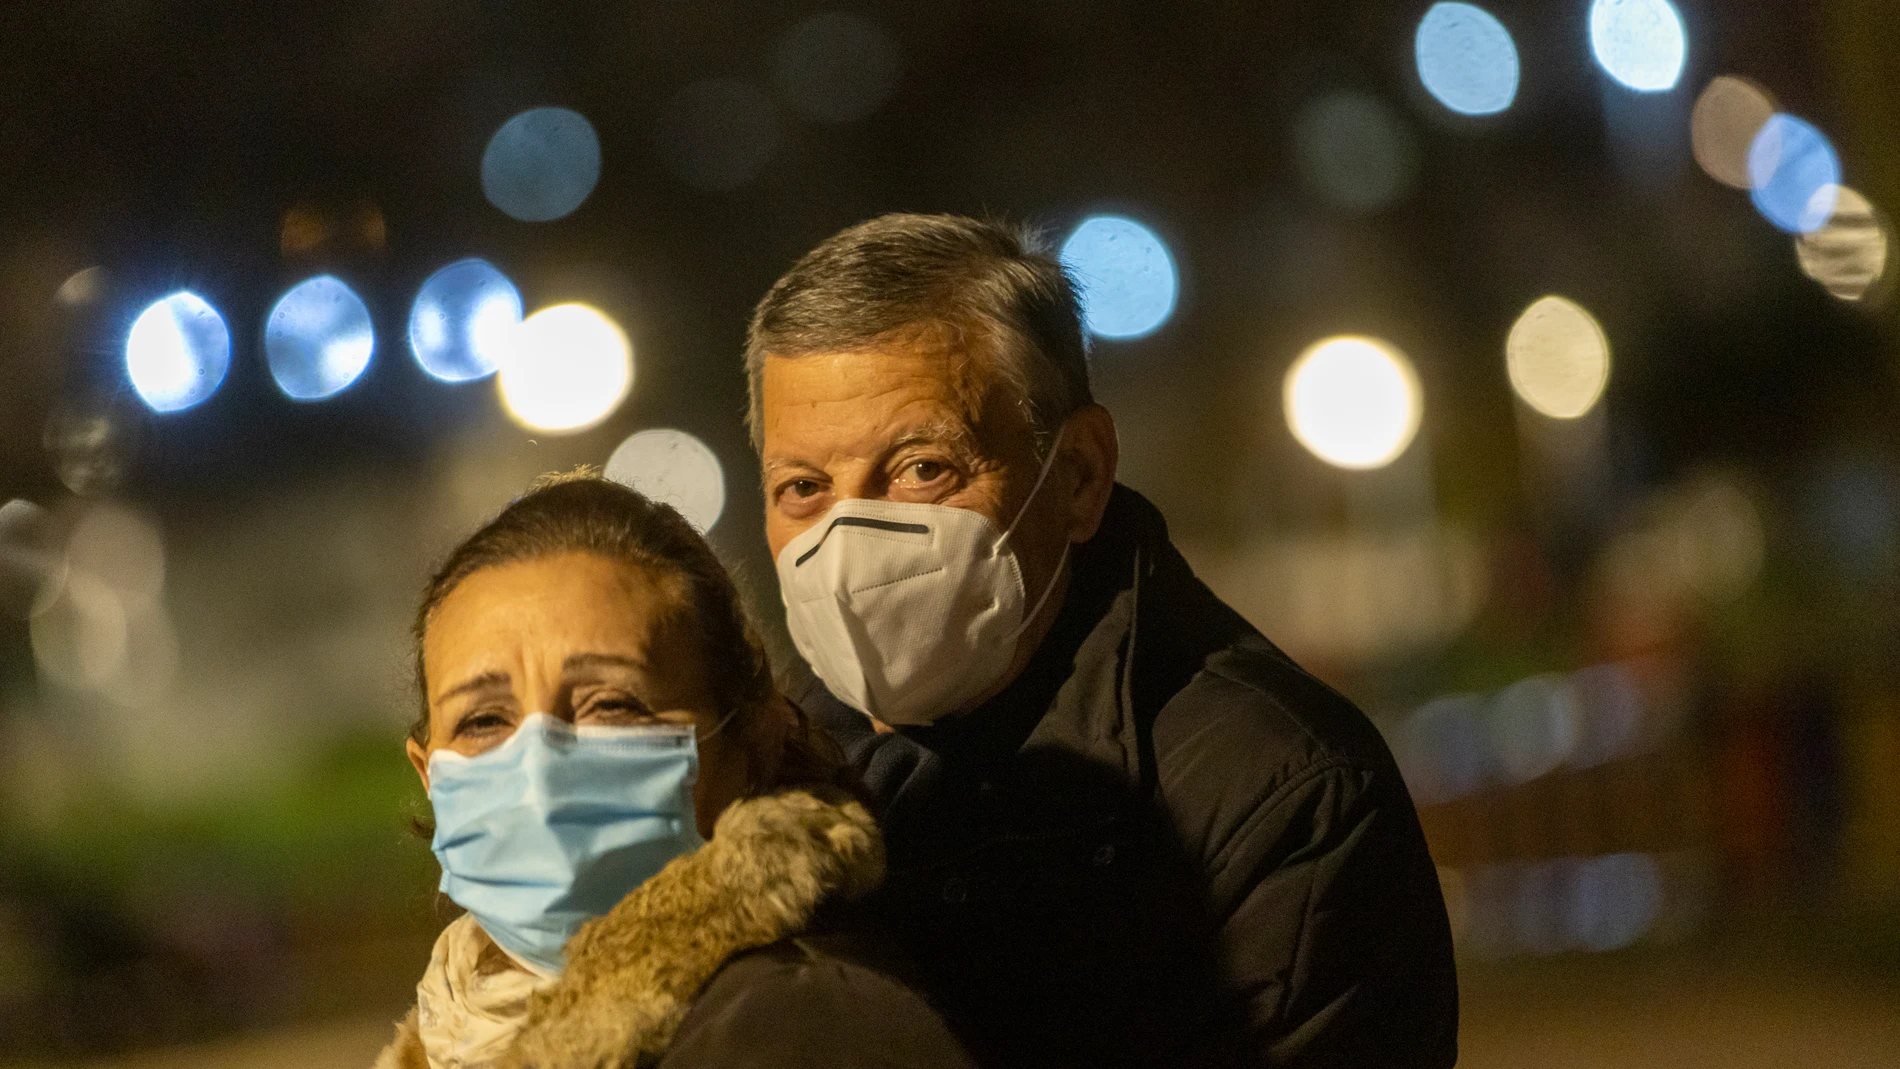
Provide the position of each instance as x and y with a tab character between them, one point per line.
552	605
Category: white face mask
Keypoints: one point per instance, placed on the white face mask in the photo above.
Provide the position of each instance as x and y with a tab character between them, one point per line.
908	612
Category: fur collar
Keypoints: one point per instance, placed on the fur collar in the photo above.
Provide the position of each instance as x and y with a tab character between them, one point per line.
632	974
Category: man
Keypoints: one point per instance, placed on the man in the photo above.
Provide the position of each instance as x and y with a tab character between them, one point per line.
1124	829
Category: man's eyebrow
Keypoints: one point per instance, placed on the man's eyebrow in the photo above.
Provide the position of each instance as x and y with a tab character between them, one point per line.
484	681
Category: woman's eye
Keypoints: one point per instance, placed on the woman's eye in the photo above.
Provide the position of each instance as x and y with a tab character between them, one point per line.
615	707
481	722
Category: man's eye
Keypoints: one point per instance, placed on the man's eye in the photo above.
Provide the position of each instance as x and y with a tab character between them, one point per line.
803	487
925	471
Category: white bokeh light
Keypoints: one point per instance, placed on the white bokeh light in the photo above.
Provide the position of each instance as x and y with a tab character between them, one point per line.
1355	402
566	369
541	164
675	468
1466	59
1641	43
177	352
318	339
1558	358
1127	278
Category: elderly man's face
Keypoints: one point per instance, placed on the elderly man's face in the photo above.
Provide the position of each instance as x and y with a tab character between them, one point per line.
922	422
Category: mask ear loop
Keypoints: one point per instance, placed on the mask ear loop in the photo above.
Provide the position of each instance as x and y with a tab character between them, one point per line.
1048	465
717	728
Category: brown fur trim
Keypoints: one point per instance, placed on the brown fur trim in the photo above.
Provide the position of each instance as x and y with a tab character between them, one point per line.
632	974
405	1051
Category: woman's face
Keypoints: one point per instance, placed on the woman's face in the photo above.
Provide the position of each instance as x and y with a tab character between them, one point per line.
583	639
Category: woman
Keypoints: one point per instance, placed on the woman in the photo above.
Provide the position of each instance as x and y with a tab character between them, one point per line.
643	832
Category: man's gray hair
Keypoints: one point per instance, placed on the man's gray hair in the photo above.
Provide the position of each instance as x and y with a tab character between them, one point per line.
993	287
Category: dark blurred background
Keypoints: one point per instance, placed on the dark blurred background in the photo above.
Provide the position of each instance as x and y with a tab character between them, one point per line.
1615	573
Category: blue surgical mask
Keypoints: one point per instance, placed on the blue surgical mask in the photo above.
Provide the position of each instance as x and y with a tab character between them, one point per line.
556	825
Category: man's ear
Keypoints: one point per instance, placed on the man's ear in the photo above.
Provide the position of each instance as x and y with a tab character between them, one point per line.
1091	449
419	758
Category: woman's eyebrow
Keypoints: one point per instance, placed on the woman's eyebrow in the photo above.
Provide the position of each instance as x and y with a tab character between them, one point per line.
601	660
484	681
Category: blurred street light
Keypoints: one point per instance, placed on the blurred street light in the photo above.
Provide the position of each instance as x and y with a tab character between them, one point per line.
1641	43
541	164
1727	116
177	352
1354	402
1466	59
1794	174
1558	358
462	321
674	468
1127	278
318	339
1848	256
567	368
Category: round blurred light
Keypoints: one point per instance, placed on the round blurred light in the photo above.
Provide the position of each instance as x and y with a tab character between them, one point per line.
1353	151
82	287
1354	402
1558	358
462	319
674	468
541	164
717	134
177	352
1466	59
1126	276
1794	174
567	368
1616	900
121	548
1848	255
1641	43
318	339
1534	726
1727	116
836	67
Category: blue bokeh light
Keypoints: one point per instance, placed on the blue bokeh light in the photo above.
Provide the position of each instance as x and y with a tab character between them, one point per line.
1641	43
177	352
318	339
1794	175
461	320
1466	59
1127	278
541	164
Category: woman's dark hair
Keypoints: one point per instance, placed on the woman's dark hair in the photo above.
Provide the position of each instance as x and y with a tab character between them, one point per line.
580	512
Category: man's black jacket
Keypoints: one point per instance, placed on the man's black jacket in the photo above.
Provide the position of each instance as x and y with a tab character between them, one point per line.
1163	844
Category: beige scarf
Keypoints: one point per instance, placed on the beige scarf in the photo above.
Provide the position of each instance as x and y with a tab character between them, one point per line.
473	998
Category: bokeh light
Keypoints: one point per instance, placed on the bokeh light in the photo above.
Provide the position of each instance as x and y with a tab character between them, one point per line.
1354	402
1847	256
102	627
1641	43
462	320
541	164
1793	174
836	67
675	468
1126	276
1558	358
177	352
82	287
566	369
318	339
1353	151
1727	116
717	134
1466	59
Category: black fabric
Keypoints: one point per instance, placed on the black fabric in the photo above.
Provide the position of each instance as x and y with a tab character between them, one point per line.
1162	844
829	1001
